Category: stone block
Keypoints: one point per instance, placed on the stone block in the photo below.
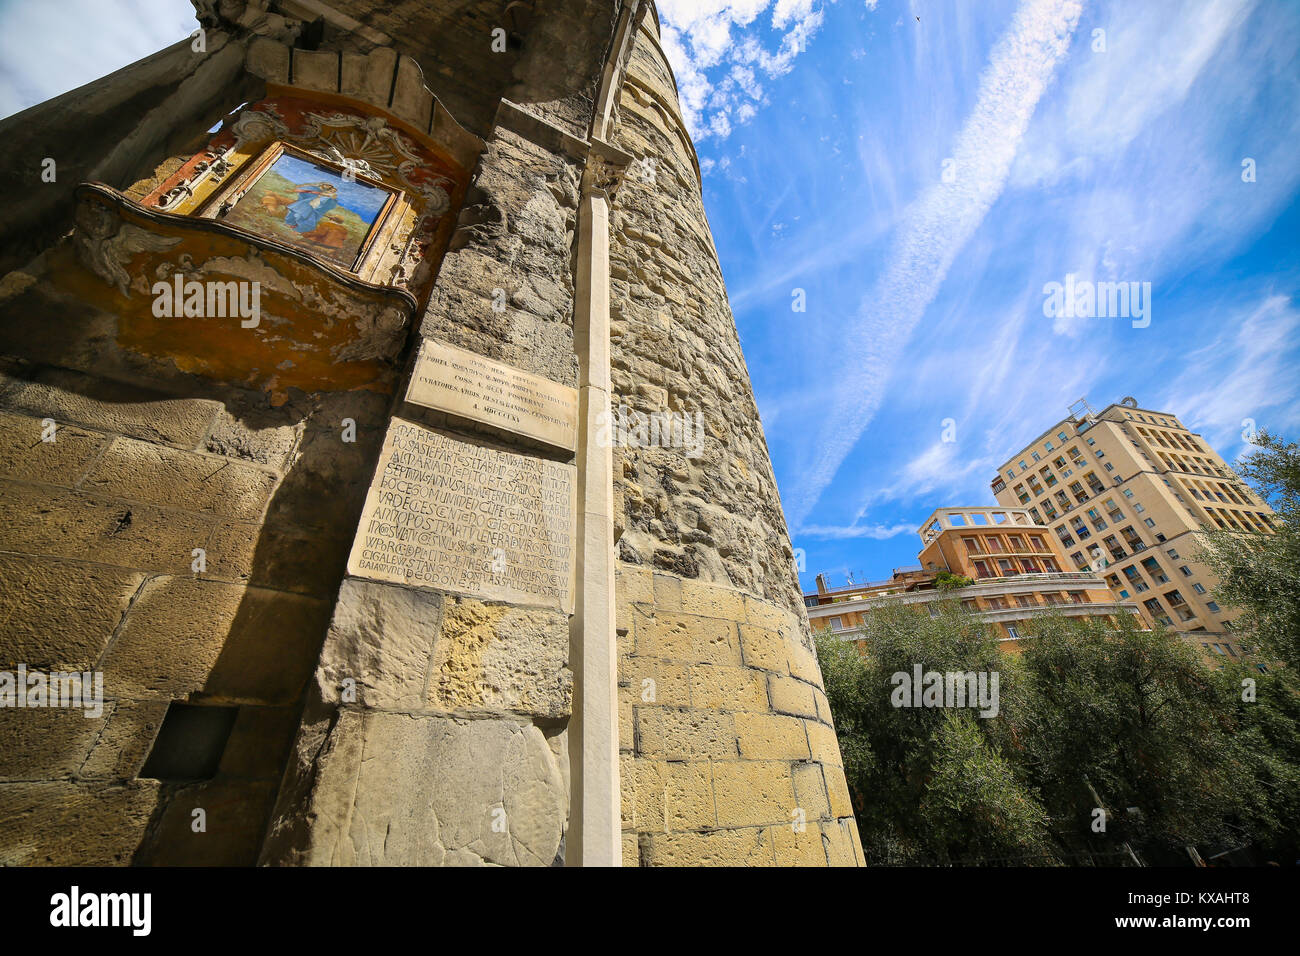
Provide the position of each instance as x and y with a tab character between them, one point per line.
171	478
59	615
684	734
35	519
501	659
660	796
686	638
748	847
399	790
719	687
822	742
799	846
790	696
243	644
763	647
128	736
770	736
25	457
381	638
810	791
753	793
46	742
61	823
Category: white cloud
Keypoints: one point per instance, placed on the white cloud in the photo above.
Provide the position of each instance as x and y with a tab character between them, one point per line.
1247	372
718	52
876	532
937	226
50	48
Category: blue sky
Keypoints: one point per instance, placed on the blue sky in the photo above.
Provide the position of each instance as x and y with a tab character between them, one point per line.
823	127
925	299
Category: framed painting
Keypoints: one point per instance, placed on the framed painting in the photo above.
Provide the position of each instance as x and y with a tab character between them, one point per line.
311	205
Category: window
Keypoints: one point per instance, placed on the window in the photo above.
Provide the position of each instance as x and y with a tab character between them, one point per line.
1173	553
1023	466
1198	588
1214	608
1062	436
1012	632
1148	522
837	624
190	742
1128	492
1186	571
1048	446
1138	508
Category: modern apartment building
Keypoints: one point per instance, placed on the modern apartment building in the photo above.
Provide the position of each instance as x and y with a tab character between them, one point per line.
1016	563
1124	492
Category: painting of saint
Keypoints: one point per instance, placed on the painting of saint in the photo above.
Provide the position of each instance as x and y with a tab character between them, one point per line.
312	207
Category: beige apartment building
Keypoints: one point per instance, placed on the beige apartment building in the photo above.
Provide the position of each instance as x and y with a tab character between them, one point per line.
1015	562
1124	492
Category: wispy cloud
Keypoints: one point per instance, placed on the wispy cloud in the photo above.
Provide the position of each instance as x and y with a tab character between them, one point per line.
1247	372
938	225
722	54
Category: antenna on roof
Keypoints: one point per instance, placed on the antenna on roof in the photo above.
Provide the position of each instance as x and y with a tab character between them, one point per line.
1082	411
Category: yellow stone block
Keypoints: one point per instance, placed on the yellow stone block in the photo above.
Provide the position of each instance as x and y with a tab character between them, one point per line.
651	682
810	791
763	647
686	638
803	664
709	600
662	797
790	696
25	456
748	847
771	737
684	734
839	843
667	592
753	793
823	743
799	846
837	788
728	688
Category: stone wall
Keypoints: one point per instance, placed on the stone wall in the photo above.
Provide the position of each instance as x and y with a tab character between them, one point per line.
97	536
455	751
381	723
728	750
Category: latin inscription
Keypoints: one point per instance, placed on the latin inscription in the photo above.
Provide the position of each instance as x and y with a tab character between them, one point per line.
458	517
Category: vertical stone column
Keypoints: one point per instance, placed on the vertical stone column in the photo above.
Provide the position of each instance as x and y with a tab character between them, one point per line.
594	834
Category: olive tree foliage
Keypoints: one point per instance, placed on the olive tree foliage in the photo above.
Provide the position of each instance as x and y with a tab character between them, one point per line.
1259	572
1107	737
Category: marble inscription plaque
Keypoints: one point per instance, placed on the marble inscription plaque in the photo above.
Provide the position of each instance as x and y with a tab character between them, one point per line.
462	383
449	515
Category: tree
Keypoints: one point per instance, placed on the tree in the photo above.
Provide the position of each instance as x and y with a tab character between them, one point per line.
1259	572
1133	718
932	784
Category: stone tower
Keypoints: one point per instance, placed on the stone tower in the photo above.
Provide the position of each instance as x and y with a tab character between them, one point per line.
377	439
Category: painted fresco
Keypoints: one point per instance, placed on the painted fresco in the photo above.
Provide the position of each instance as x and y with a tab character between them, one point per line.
311	207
